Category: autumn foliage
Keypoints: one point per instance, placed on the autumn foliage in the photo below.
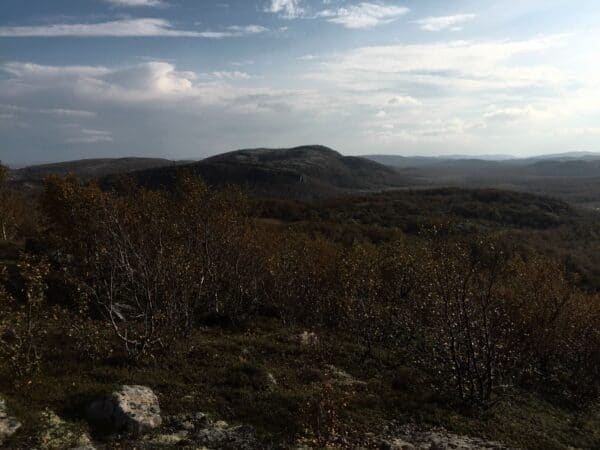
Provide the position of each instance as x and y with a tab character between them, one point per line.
473	314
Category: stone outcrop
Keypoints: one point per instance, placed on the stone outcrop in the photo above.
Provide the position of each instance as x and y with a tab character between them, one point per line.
342	377
200	431
412	438
308	339
134	409
8	425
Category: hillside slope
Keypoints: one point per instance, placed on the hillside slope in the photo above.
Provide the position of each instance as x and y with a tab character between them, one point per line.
32	176
300	172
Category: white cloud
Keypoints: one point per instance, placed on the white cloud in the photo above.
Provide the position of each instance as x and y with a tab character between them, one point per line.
138	3
152	85
426	97
578	131
229	75
289	9
143	27
361	15
308	57
90	136
507	115
388	129
403	100
364	15
58	112
463	91
148	108
237	30
440	23
459	65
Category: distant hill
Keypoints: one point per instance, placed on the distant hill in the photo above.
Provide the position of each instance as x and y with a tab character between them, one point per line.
421	161
32	176
415	210
565	167
588	156
312	171
572	176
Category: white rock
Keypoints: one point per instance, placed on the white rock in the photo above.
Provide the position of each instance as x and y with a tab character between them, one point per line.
399	444
343	378
440	439
8	425
131	408
308	339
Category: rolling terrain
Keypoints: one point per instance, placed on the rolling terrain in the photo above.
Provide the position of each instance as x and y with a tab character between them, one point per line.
312	172
31	177
277	331
302	172
574	177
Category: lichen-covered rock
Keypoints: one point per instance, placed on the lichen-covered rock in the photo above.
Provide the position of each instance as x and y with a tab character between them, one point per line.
169	440
343	378
400	444
8	425
270	381
56	434
414	438
220	435
132	408
308	339
198	431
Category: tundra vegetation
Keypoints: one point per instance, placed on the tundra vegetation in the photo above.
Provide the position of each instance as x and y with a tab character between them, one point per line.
195	291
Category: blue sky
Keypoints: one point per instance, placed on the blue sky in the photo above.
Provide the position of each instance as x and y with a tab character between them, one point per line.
192	78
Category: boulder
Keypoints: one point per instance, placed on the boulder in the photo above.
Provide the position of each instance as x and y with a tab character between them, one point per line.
342	377
169	440
400	444
220	435
134	409
8	425
271	381
414	438
308	339
199	431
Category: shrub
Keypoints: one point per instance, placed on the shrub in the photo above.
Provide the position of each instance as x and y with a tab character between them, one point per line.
151	261
472	314
25	322
16	217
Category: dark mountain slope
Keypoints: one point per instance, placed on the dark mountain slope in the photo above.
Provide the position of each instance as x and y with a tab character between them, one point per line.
86	169
300	172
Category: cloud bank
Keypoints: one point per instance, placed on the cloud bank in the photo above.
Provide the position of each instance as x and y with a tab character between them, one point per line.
142	27
440	23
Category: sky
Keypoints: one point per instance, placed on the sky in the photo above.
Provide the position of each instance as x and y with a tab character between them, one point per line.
185	79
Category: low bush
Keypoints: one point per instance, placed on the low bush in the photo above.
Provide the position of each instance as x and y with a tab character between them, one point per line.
471	313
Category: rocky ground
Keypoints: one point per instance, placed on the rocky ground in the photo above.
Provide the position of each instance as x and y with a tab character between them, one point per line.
266	389
133	412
